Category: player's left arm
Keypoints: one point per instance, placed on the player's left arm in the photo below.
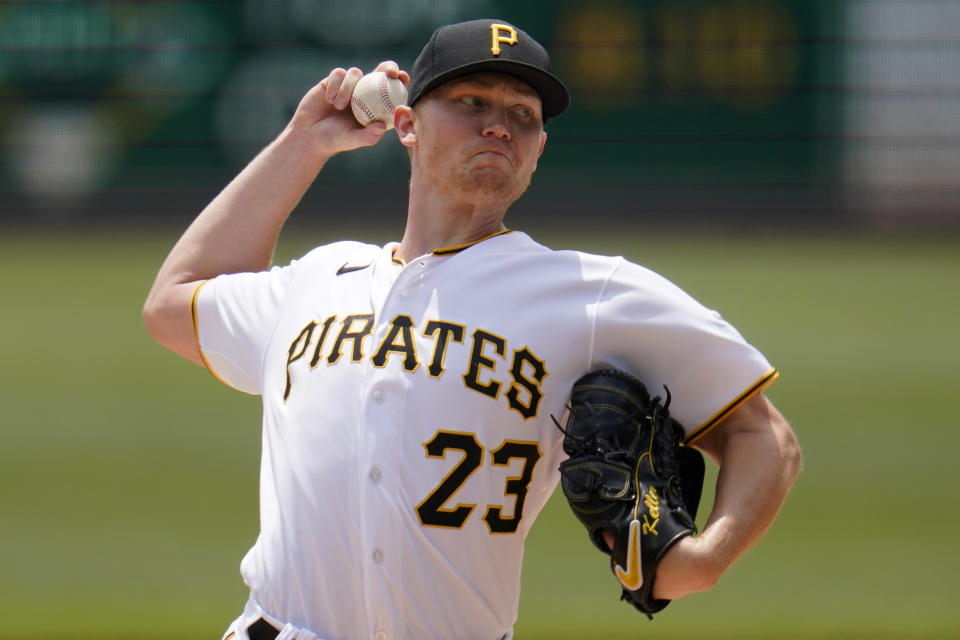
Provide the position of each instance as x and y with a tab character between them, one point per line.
759	459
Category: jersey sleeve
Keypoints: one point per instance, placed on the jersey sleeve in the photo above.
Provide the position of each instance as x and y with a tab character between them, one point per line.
234	318
649	326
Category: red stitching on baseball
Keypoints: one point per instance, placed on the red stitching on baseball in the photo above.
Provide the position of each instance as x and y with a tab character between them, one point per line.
385	93
363	107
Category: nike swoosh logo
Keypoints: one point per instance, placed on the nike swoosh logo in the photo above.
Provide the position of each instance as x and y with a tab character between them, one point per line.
347	269
632	577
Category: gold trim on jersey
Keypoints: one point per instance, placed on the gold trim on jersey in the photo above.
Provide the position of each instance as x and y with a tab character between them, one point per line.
449	251
753	390
196	331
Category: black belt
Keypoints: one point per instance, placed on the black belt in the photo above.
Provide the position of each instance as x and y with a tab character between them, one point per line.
262	630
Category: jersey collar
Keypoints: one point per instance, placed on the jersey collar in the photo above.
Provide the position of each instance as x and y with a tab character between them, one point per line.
444	251
449	251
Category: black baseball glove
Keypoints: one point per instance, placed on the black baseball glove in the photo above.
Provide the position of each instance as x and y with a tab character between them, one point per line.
629	476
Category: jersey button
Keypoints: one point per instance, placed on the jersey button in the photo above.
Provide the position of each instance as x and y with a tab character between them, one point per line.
377	556
380	635
378	396
375	474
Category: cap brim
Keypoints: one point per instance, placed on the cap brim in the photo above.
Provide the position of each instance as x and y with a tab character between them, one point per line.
554	97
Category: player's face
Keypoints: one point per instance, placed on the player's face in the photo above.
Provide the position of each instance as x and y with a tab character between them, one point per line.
480	136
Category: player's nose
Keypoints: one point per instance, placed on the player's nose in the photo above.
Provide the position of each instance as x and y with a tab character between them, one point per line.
496	125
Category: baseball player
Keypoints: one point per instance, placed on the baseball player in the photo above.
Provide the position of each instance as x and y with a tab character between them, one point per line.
408	389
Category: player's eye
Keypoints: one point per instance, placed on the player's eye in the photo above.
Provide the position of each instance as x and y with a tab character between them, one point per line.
472	101
524	112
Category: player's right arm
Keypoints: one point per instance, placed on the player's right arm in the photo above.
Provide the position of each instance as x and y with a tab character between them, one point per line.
237	231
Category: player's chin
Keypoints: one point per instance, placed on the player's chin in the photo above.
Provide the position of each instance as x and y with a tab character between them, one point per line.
485	178
502	185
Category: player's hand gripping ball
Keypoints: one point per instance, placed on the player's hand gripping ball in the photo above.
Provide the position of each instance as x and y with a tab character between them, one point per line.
376	96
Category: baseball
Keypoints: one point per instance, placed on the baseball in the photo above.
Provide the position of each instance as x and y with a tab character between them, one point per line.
375	97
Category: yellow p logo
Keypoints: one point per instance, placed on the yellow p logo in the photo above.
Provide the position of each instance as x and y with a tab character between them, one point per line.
501	33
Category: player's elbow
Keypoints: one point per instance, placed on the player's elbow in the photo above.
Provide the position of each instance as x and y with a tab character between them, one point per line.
790	453
150	312
168	318
774	437
156	317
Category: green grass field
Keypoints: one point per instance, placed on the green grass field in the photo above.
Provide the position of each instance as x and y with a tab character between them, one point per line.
128	477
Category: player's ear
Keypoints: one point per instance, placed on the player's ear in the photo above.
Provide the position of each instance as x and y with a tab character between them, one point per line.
543	142
404	119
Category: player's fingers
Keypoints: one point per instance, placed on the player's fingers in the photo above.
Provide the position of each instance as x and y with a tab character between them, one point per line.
318	92
332	83
345	90
392	69
372	133
362	136
609	540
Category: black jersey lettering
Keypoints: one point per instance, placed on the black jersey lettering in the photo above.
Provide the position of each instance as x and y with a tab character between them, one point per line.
297	348
445	331
486	351
526	402
346	333
399	339
315	360
478	361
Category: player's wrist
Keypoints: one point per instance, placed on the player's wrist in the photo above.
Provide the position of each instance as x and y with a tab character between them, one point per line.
305	146
689	567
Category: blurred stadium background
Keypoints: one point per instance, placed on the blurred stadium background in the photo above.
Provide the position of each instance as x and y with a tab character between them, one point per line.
837	112
793	163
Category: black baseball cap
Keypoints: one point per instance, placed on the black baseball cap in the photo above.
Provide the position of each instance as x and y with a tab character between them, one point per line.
487	45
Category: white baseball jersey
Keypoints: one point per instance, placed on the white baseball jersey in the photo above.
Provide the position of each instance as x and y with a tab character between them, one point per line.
408	443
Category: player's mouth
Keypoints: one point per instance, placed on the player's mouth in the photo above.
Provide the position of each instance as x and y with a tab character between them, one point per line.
492	154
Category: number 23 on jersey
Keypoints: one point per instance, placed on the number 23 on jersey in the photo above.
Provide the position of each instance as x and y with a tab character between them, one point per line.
434	510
